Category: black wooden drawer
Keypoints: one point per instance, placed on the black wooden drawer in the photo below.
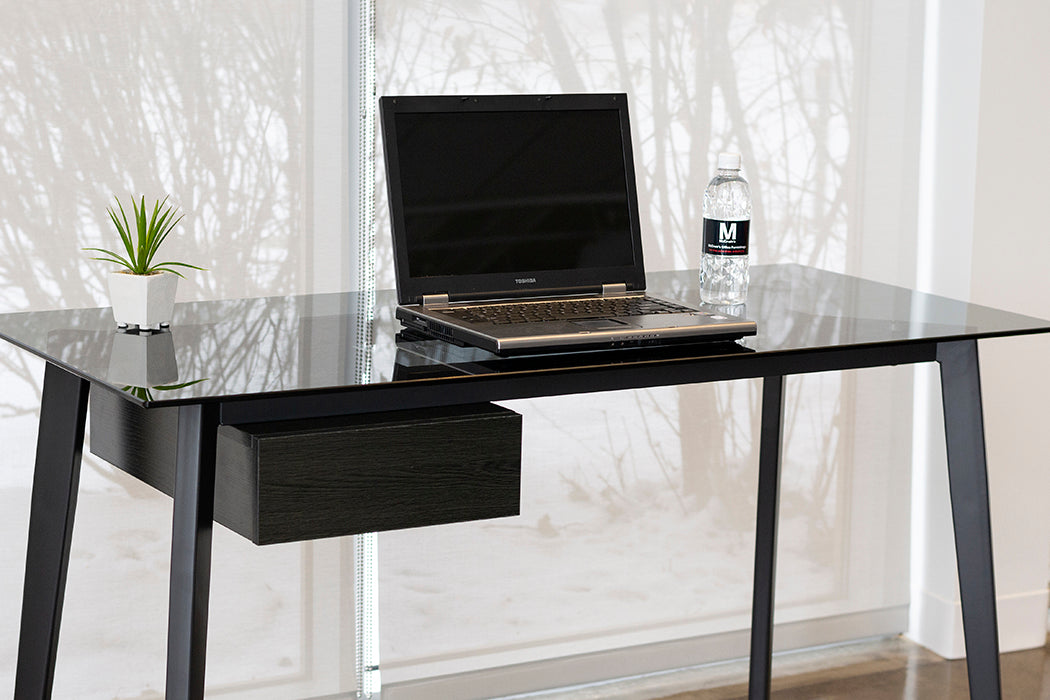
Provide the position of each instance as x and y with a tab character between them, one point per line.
299	480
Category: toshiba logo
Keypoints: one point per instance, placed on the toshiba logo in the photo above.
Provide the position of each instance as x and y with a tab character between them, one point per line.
525	280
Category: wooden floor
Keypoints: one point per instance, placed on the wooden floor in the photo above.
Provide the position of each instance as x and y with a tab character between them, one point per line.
889	670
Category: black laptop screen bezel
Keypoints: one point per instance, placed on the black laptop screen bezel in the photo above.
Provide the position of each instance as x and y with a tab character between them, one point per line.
410	290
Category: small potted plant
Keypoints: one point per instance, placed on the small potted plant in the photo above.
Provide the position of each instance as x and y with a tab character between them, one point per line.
143	292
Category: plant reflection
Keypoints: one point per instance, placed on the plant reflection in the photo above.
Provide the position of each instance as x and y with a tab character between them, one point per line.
145	393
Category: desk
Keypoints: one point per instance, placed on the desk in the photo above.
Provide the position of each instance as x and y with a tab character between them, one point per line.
257	361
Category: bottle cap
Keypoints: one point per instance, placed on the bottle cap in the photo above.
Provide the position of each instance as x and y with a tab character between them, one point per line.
729	161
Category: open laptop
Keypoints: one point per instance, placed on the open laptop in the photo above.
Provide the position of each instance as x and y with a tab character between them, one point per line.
515	226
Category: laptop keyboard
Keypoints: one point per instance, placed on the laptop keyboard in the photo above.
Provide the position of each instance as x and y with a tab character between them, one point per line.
565	310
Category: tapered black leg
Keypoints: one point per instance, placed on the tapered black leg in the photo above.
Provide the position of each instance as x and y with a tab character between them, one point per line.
54	501
191	551
766	537
968	484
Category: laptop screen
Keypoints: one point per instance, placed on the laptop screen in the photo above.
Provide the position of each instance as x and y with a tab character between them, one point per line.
507	195
520	190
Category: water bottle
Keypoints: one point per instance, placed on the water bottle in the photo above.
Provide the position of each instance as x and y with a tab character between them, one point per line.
727	221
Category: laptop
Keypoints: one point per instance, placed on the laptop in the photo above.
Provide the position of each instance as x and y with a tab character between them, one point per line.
515	226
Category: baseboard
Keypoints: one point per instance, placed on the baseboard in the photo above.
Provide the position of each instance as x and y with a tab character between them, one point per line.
1021	616
645	659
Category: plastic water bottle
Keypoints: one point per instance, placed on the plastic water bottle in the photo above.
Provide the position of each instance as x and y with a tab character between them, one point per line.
727	221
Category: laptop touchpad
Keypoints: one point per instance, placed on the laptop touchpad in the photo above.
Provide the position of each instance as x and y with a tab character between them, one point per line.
599	324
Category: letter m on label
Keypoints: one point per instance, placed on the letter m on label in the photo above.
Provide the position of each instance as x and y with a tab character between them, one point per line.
726	231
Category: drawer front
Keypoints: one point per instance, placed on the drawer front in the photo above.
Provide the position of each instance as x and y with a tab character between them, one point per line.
300	480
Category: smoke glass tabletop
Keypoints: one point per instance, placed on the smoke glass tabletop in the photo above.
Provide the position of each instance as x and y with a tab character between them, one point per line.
229	349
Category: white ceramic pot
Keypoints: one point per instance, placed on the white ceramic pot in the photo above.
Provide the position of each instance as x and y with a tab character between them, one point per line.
146	301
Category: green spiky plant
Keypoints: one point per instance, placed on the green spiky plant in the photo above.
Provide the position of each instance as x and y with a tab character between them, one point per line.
142	241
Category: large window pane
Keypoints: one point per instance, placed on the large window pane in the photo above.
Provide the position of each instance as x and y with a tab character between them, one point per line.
637	514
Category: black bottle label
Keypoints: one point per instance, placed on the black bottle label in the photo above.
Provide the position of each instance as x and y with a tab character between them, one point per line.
726	237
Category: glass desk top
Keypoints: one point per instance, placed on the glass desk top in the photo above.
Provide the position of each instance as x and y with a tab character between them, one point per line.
251	347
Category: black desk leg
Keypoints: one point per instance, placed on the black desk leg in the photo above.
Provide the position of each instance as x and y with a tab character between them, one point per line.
56	478
968	483
191	551
766	537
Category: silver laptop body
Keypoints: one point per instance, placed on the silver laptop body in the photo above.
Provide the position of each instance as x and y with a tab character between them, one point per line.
515	226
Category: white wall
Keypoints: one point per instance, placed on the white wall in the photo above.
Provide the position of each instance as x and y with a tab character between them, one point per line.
1003	264
1011	257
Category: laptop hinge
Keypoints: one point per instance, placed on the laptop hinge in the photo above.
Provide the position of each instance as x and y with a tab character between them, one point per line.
614	290
435	300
